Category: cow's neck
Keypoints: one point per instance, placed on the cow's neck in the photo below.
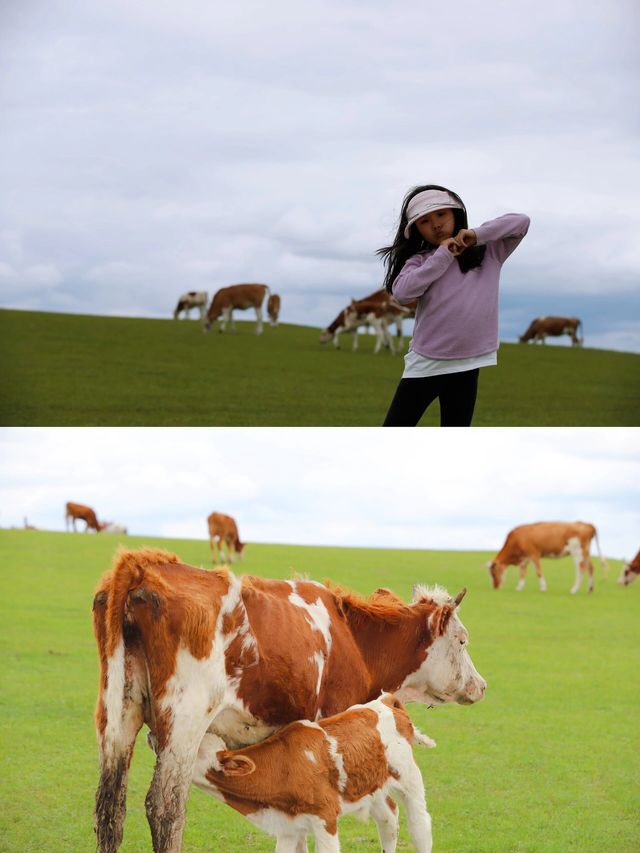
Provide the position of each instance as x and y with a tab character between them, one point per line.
391	649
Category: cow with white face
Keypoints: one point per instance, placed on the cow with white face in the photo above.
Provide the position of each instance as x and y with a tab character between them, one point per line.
630	571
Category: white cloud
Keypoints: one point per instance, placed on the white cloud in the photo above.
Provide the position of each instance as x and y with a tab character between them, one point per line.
184	146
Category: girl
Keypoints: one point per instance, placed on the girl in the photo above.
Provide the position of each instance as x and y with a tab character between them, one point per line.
453	271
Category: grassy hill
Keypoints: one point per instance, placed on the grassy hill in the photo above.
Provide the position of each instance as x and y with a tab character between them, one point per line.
548	762
63	370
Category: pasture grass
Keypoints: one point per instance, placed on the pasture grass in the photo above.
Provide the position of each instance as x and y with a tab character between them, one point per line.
547	763
64	369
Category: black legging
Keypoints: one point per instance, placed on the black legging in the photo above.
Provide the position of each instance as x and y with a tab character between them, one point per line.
456	392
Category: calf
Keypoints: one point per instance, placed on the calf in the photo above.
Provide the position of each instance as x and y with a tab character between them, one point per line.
303	778
553	327
630	571
191	299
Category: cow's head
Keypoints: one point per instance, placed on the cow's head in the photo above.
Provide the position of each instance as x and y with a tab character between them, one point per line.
325	336
496	570
447	673
627	575
239	549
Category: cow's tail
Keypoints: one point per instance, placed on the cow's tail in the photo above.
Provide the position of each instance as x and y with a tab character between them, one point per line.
122	689
605	565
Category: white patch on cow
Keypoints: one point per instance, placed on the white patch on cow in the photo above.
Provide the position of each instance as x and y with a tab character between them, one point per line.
207	758
318	614
310	756
436	593
113	699
280	824
336	755
447	674
318	658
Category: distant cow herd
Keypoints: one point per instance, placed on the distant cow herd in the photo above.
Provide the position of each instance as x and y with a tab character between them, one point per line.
376	311
236	297
284	698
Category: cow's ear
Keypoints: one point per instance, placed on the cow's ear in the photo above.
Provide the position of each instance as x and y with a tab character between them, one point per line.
440	619
235	765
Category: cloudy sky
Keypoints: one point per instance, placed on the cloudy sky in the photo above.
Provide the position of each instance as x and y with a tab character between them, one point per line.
149	148
329	486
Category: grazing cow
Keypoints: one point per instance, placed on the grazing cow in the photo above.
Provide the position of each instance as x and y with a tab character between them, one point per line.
364	312
236	296
547	539
192	299
111	527
224	530
188	651
630	571
305	776
554	327
84	513
273	309
408	310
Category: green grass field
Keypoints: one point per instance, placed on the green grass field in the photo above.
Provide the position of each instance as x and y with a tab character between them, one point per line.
549	762
64	370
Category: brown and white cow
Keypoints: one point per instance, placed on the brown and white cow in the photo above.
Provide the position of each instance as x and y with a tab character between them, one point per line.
547	539
365	313
273	309
188	651
304	777
84	513
630	571
553	327
396	314
223	530
191	299
238	297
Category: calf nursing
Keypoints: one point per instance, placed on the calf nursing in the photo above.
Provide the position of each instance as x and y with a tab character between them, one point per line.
307	775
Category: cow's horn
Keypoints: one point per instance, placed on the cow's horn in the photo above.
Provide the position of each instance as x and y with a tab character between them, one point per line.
460	596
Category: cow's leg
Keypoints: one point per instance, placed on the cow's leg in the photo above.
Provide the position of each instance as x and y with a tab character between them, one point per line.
354	345
259	320
336	340
325	842
523	575
390	343
541	578
385	813
575	549
119	718
418	818
291	844
165	802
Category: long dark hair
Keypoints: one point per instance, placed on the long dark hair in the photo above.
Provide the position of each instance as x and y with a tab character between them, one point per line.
402	248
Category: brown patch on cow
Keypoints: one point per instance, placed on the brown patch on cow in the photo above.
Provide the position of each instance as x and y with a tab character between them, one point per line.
162	727
285	778
391	804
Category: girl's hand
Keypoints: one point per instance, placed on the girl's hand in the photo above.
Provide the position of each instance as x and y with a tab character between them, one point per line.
465	238
452	245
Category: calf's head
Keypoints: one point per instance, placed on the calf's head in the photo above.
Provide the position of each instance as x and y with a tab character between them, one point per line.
447	673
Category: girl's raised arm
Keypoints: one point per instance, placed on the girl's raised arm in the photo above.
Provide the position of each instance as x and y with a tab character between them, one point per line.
419	272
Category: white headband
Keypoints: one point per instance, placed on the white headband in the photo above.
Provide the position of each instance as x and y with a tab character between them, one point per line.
425	202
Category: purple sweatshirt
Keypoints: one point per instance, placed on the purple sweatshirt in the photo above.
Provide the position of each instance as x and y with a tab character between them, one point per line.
457	313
